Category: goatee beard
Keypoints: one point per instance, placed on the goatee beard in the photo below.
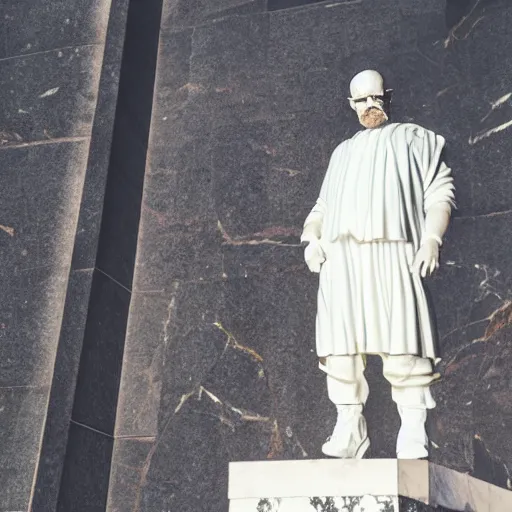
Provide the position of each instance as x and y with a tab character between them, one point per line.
373	117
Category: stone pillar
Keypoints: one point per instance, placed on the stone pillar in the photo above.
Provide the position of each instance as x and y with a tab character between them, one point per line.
54	91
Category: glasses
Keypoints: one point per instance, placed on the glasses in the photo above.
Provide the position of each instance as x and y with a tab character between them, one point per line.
374	97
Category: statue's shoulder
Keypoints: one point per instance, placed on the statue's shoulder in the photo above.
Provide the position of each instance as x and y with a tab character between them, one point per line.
412	128
341	146
347	142
355	136
417	130
420	134
412	133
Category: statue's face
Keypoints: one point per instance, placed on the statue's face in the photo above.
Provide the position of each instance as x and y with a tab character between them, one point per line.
367	91
370	111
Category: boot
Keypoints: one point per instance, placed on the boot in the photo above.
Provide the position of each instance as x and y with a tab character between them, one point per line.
349	439
412	441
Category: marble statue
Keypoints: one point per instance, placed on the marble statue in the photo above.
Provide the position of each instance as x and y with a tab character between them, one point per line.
373	235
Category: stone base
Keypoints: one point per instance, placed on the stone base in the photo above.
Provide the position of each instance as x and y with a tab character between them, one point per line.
370	485
366	503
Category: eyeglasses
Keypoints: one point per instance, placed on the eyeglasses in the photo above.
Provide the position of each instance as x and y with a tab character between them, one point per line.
374	97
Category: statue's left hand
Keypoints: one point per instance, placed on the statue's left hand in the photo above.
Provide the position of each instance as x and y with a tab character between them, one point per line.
314	255
427	258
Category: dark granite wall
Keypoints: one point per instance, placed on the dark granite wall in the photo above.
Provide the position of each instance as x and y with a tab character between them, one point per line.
51	56
250	101
217	329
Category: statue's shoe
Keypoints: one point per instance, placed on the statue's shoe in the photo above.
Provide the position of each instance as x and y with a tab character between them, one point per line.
349	439
412	441
333	449
413	452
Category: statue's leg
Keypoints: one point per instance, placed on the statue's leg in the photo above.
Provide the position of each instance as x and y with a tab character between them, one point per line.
348	390
410	378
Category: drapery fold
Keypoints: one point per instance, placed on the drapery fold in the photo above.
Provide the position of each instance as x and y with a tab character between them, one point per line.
380	183
370	219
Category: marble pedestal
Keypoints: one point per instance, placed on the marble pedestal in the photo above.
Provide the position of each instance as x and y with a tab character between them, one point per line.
373	485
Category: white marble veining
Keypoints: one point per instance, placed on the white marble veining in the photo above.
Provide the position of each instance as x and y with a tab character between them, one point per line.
317	504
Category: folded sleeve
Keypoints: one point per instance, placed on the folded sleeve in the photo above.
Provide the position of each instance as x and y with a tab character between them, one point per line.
437	177
313	224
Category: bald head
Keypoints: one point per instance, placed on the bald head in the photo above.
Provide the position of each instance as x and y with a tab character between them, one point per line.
367	83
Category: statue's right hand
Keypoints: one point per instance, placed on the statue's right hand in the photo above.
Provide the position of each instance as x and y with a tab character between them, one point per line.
314	256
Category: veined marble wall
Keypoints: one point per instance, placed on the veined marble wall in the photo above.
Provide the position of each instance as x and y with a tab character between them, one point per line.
219	361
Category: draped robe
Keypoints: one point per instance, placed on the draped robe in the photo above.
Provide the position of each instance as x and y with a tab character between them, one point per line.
371	215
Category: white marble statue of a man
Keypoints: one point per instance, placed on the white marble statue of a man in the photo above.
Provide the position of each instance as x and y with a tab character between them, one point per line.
373	235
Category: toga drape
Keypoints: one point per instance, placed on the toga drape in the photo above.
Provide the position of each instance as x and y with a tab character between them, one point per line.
371	213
